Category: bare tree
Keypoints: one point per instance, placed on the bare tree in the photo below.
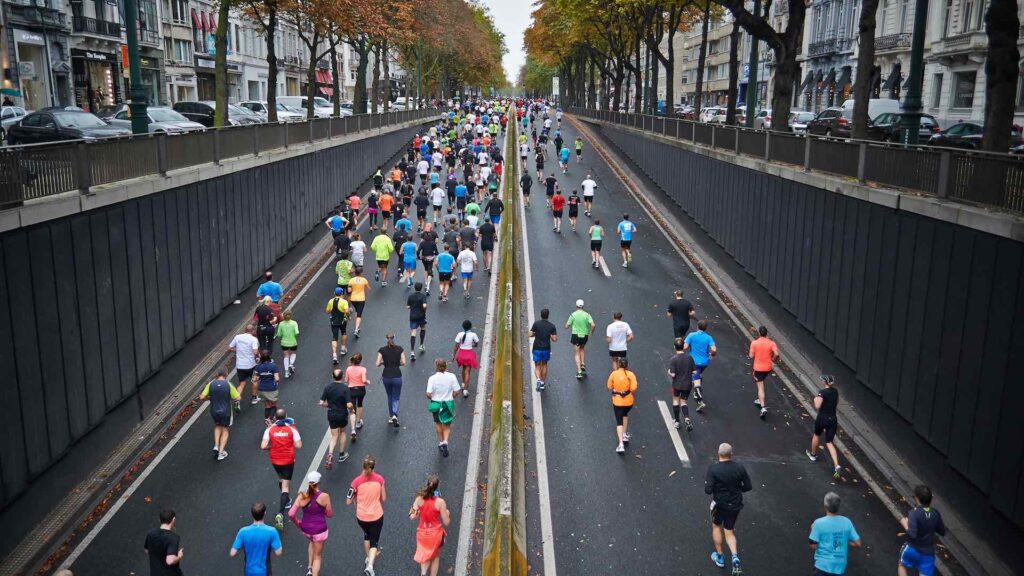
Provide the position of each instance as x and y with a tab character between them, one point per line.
702	58
1001	72
866	60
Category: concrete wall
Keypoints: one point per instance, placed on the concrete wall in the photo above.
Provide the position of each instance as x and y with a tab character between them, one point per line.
93	303
928	313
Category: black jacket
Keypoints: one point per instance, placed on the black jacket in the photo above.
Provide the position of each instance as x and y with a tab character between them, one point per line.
726	482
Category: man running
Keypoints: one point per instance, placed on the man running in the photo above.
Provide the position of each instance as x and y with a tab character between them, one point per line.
574	208
422	202
382	247
726	481
625	230
408	254
557	205
543	333
831	538
680	310
445	267
487	233
563	159
494	208
579	149
281	440
550	187
256	541
269	288
588	186
763	352
825	424
336	399
525	183
426	252
222	396
269	378
702	348
618	334
681	372
358	286
247	351
437	198
467	265
922	523
581	325
338	309
417	305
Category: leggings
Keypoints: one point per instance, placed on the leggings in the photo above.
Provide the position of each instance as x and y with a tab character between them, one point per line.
265	334
393	386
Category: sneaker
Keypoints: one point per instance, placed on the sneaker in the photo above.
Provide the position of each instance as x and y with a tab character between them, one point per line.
255	400
354	436
422	348
810	456
289	503
376	276
444	450
383	284
342	457
736	567
279	522
292	370
623	264
583	368
579	375
368	571
426	292
718	559
543	384
356	333
620	448
344	350
625	438
689	425
701	406
216	448
835	473
309	571
757	402
630	257
329	462
465	392
359	424
466	295
334	360
224	455
287	374
675	423
412	357
538	386
395	423
764	413
238	405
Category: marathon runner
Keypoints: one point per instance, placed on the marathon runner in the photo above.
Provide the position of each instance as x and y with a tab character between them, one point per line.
358	287
417	306
339	406
467	265
391	358
543	333
574	208
588	186
581	326
338	309
625	230
281	439
579	149
622	382
550	187
445	268
680	310
247	351
464	353
763	352
557	203
596	234
382	247
681	374
426	252
442	387
222	396
702	349
355	377
618	334
563	159
525	183
826	423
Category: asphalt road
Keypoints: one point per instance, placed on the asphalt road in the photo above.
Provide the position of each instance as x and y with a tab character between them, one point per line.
212	499
646	510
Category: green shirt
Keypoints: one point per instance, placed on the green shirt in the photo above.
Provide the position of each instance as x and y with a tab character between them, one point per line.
472	208
382	247
344	270
579	144
287	330
579	322
596	232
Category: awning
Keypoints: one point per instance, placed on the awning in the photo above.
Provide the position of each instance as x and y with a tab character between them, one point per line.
844	77
831	78
806	86
198	21
319	76
10	92
876	78
893	78
327	91
819	76
211	23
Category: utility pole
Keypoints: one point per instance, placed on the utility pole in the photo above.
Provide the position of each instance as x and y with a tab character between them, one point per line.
137	106
911	121
752	73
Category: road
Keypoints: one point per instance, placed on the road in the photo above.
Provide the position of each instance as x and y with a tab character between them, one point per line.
646	510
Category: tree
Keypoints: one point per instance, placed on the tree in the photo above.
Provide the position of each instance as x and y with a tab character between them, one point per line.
314	21
1001	71
220	63
702	57
866	58
264	13
734	75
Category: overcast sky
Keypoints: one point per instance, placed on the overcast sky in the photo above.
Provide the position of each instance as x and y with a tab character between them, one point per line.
512	17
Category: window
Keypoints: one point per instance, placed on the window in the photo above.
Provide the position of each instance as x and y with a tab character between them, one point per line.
963	89
686	79
177	10
905	23
967	23
182	51
885	18
947	22
936	90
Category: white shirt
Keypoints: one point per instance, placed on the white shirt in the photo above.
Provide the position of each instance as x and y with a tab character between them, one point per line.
438	158
547	123
296	439
473	220
467	340
524	150
437	196
485	172
358	250
423	167
467	260
246	346
442	386
588	187
618	331
482	158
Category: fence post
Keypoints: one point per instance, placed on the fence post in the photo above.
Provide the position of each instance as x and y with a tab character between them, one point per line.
82	172
693	133
807	153
309	126
945	163
768	145
256	140
737	141
714	129
286	124
216	146
161	153
862	162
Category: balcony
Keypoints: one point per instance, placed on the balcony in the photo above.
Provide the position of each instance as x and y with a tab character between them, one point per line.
34	16
150	38
86	25
960	49
893	42
829	47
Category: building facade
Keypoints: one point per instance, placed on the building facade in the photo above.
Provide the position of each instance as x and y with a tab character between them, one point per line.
829	53
37	37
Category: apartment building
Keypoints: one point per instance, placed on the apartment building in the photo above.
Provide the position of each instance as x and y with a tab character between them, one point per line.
36	34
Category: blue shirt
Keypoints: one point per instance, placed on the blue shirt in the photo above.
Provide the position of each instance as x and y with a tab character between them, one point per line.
434	178
700	343
404	224
256	540
460	191
269	288
833	535
626	228
265	371
445	262
337	223
565	158
409	251
424	148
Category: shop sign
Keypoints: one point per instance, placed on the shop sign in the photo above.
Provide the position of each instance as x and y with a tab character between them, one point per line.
24	37
147	62
204	63
27	69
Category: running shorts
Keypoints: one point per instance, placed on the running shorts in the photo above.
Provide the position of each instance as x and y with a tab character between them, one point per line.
724	518
356	394
626	243
421	214
486	246
684	393
382	263
244	374
290	348
359	305
556	213
460	202
444	276
270	396
428	265
574	211
825	426
579	340
414	324
223	418
680	330
595	245
588	198
526	191
338	330
409	265
467	275
698	371
761	376
911	558
617	353
371	530
336	421
386	215
495	219
542	355
285	471
621	412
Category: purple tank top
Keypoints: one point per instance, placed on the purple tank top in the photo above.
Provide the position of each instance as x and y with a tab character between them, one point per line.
314	516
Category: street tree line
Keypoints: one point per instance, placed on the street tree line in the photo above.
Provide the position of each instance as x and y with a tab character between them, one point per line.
443	44
599	48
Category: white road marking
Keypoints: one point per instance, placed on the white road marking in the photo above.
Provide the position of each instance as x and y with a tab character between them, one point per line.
604	267
676	440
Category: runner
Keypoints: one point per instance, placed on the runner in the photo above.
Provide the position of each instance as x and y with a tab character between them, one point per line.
831	538
287	333
596	233
257	540
543	333
825	424
357	250
574	208
461	192
222	396
281	440
487	233
368	492
316	509
588	186
422	202
378	178
702	349
163	546
579	149
622	383
557	203
266	319
269	288
467	265
581	326
344	268
563	159
763	352
338	308
539	161
473	214
358	287
525	183
922	523
336	399
681	373
336	223
391	358
441	389
726	481
551	186
427	254
417	305
432	512
408	253
494	208
680	310
524	149
625	230
355	377
437	197
247	351
618	334
269	379
464	353
445	268
382	247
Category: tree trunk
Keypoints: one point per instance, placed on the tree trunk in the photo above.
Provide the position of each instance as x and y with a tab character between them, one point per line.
387	75
786	73
311	79
628	100
638	79
734	75
862	82
1001	72
220	89
375	91
359	98
335	93
591	85
270	30
617	86
670	76
652	82
702	58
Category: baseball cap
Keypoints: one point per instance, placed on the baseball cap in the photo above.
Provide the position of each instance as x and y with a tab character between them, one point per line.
313	478
339	291
827	379
579	303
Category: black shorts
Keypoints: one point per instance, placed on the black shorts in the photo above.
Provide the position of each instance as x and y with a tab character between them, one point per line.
621	412
359	305
579	153
680	330
460	202
724	518
385	214
356	394
574	211
382	263
422	214
487	246
595	245
526	191
285	471
625	243
549	192
338	331
761	376
244	374
371	530
290	348
577	340
557	214
617	353
684	394
223	418
336	421
825	426
420	323
428	265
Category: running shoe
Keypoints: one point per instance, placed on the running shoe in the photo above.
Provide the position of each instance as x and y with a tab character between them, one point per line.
329	462
344	350
383	284
255	400
444	450
465	392
334	360
356	333
757	402
216	448
539	386
359	424
238	406
376	276
224	455
354	435
292	370
701	406
309	571
583	368
279	522
579	375
835	473
718	559
422	348
620	448
630	257
675	423
625	438
342	457
689	425
412	356
395	422
287	374
810	456
466	295
737	569
764	413
624	264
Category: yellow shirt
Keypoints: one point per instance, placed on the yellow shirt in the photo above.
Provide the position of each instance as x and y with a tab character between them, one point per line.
357	287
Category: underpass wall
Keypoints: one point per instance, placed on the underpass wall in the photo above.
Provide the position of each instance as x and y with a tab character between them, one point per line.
929	314
91	305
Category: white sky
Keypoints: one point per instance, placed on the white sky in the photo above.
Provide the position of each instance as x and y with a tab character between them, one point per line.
512	17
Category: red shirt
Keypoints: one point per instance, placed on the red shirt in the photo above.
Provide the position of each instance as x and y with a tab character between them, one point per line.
283	438
557	202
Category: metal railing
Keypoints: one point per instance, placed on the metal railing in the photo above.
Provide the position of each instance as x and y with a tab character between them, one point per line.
985	178
39	170
893	41
88	25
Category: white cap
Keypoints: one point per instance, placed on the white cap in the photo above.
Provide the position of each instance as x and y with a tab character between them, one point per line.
313	478
579	303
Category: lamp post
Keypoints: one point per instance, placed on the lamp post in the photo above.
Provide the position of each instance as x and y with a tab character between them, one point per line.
752	73
137	106
911	119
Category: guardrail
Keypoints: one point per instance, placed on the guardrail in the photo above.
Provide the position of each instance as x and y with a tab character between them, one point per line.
986	178
39	170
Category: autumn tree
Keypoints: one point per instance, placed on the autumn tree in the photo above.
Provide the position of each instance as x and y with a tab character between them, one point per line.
265	14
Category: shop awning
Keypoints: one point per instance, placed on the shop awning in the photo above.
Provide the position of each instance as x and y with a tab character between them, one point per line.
211	23
327	91
322	77
844	77
198	21
10	92
819	76
806	86
893	78
831	78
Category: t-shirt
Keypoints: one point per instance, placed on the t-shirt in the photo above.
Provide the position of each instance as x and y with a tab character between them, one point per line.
442	386
622	381
382	247
626	229
403	224
357	285
579	323
467	340
386	201
726	482
368	491
681	365
269	288
344	271
542	333
763	350
680	309
437	196
355	376
427	250
526	182
417	306
487	231
445	262
409	251
833	535
392	358
618	331
551	181
922	526
467	260
472	208
573	202
557	202
588	186
460	191
495	206
829	402
246	348
700	344
220	393
257	540
336	396
287	331
266	371
564	154
422	201
160	544
358	252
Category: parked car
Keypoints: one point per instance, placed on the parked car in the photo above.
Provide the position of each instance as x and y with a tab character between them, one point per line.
968	135
9	116
108	112
763	119
876	106
322	108
798	120
713	115
400	103
886	127
162	120
202	112
59	125
831	122
284	113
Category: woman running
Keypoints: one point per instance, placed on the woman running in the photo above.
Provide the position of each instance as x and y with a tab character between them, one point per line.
464	355
441	390
391	357
355	375
596	235
432	512
367	491
316	509
287	333
622	383
372	209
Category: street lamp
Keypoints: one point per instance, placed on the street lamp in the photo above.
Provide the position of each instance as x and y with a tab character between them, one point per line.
137	106
911	118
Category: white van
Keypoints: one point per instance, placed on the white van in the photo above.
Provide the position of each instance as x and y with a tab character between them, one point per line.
876	106
322	108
